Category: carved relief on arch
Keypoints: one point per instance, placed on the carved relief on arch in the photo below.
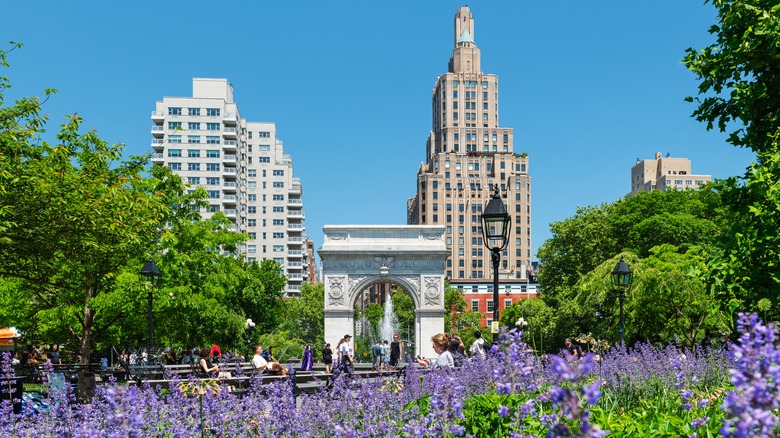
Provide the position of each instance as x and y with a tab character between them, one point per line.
336	287
431	293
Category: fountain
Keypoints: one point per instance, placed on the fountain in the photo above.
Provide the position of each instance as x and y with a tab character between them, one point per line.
388	324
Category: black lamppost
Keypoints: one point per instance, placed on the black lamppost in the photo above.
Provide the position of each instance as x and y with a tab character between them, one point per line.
250	328
151	274
621	279
495	232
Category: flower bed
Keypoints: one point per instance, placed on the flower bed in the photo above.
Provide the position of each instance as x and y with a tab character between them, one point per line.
637	392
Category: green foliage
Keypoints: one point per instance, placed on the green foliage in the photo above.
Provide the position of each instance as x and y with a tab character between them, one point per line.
72	215
739	92
540	329
453	304
304	317
578	259
403	306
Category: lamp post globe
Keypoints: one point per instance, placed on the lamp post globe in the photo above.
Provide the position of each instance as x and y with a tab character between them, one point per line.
150	272
621	279
495	234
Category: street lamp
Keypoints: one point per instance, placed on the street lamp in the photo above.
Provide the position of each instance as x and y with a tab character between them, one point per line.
250	327
151	274
621	279
495	232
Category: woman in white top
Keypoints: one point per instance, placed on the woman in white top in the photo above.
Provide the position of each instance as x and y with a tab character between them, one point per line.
440	343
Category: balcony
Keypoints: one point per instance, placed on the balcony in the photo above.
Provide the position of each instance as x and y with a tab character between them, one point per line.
295	254
295	189
229	145
158	131
229	132
229	158
229	199
229	186
230	212
158	116
229	119
229	172
295	227
296	241
158	158
294	266
295	277
294	203
158	143
295	214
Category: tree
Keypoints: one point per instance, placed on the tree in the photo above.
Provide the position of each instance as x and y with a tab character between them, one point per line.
72	216
304	316
539	326
739	92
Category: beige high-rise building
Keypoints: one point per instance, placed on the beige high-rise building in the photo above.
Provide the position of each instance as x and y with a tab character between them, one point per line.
664	173
242	166
467	152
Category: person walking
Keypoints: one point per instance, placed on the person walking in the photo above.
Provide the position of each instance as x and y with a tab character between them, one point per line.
395	351
327	358
479	347
376	352
306	364
385	355
345	355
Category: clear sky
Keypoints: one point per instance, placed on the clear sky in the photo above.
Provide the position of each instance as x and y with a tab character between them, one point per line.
588	87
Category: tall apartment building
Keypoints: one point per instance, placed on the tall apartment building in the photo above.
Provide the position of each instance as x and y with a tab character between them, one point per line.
664	173
467	152
242	166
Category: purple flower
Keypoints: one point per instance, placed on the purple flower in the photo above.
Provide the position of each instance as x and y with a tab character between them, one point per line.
503	411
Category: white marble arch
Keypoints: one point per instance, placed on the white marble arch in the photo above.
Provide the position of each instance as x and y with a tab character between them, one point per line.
413	256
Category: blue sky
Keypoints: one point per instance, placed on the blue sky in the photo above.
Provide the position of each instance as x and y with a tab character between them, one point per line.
589	87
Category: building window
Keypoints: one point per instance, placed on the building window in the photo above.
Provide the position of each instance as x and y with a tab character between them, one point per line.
252	209
278	173
252	222
507	303
212	167
252	184
264	134
278	184
193	153
278	235
213	194
212	112
251	249
213	126
174	166
489	306
193	111
193	126
193	166
174	125
194	180
174	152
475	305
174	111
212	139
278	198
264	148
278	209
176	139
194	139
278	222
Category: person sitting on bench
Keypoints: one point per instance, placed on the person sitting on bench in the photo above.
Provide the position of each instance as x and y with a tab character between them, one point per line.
208	368
259	363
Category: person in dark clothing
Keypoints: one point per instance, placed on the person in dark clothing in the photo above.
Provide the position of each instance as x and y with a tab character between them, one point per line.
327	358
54	354
395	351
573	349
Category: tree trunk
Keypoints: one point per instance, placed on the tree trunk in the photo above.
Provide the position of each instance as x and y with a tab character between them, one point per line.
86	327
